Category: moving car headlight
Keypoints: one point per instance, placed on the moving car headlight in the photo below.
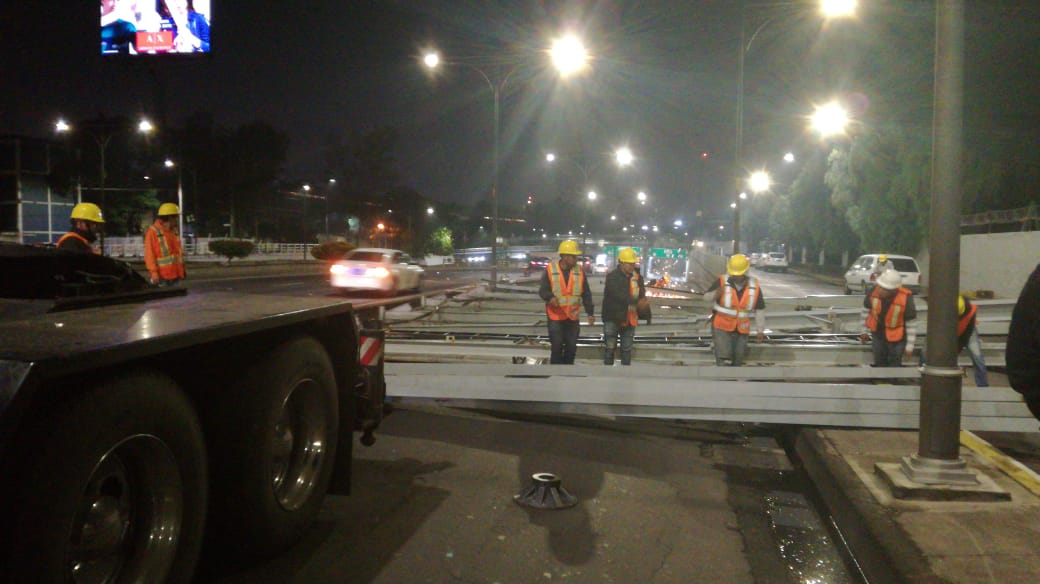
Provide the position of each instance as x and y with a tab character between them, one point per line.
379	272
337	269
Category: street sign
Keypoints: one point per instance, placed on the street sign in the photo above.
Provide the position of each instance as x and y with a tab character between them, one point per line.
667	254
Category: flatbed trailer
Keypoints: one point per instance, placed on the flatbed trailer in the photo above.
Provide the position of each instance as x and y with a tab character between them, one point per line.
139	426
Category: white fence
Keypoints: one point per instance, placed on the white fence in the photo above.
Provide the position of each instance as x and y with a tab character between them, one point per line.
133	247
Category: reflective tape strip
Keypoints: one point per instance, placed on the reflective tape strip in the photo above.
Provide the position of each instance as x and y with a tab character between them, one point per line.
371	351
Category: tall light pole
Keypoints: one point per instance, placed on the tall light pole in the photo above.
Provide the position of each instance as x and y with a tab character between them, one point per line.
828	9
622	157
180	196
568	56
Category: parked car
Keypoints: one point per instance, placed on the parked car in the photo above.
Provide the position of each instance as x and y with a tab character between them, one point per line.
860	276
774	261
385	270
535	264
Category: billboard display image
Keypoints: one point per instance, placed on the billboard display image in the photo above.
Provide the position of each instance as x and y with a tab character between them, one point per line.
154	27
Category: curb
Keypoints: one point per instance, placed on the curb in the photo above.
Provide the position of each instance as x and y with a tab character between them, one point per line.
882	549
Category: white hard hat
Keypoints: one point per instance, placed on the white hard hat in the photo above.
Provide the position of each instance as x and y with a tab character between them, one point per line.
890	280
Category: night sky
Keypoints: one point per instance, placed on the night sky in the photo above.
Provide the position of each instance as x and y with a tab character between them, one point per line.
663	81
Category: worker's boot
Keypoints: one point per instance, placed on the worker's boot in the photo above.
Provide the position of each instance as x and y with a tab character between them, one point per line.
626	357
608	356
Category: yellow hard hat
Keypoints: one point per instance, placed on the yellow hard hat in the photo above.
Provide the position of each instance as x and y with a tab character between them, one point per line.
738	265
87	212
882	258
569	247
627	256
960	306
169	209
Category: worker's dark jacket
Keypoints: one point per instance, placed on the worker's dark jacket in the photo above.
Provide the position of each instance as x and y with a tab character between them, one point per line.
616	296
1022	353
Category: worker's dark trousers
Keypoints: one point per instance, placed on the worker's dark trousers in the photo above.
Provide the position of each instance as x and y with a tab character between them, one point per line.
563	341
611	331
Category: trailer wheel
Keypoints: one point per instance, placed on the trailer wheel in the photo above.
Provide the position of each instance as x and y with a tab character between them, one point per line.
274	448
112	488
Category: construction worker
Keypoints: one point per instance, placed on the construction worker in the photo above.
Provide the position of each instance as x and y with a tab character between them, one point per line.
623	296
968	337
882	265
889	319
162	248
564	290
1022	353
737	298
87	223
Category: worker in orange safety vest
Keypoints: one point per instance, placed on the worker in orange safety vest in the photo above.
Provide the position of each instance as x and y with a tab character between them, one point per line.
565	291
87	223
890	320
738	297
162	248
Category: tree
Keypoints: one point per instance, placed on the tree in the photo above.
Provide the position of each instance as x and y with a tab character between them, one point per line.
439	242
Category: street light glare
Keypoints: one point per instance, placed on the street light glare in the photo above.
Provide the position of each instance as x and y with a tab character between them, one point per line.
624	156
837	8
145	126
789	157
550	157
830	119
169	163
592	195
62	126
429	210
760	181
568	55
431	60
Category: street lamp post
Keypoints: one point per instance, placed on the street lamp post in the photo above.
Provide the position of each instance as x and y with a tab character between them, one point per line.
829	9
568	56
180	196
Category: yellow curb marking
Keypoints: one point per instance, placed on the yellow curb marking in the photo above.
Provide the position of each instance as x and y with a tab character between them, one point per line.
1022	474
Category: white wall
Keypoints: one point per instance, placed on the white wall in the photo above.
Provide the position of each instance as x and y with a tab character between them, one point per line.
1000	262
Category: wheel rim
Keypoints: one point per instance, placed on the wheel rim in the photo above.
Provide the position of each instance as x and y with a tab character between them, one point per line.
299	445
130	515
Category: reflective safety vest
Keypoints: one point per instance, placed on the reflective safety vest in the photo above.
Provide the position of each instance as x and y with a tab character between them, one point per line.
733	313
74	235
162	253
568	294
966	318
633	292
893	319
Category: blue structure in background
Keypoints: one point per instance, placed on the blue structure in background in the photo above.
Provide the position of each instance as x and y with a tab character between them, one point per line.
30	211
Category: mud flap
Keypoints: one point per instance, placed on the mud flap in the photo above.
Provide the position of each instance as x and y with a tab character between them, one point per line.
370	390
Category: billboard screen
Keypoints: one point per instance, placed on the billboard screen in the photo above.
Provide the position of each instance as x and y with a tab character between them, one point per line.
154	27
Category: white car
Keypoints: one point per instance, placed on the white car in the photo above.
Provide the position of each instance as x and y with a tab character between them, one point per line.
600	269
774	260
860	276
385	270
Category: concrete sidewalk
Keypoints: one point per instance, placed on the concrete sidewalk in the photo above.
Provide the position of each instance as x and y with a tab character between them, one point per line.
898	540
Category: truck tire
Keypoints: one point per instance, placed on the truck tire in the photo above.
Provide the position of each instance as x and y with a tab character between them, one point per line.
273	449
111	487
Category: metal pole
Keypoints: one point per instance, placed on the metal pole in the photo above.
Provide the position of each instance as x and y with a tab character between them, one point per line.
495	90
739	147
180	203
102	145
937	459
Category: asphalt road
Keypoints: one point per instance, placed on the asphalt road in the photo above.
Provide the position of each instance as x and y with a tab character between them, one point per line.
432	501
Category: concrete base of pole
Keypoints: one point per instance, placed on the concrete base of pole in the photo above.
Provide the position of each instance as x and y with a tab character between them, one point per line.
927	481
